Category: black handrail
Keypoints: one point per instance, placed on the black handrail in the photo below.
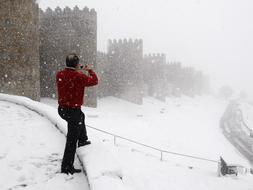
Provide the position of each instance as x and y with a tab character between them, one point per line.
151	147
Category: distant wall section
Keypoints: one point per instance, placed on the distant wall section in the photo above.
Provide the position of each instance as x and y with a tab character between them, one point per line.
126	74
154	75
103	71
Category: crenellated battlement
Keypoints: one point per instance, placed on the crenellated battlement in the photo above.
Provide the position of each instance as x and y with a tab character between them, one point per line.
126	45
68	12
124	41
159	58
155	55
174	63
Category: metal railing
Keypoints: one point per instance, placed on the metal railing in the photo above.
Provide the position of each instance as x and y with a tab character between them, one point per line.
151	147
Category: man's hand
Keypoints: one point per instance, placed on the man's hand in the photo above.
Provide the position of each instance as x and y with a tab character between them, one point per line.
88	67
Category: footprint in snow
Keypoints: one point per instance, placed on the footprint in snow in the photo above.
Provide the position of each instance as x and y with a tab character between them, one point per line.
18	168
105	140
21	178
135	150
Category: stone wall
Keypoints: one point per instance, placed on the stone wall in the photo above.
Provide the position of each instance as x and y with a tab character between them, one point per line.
173	73
19	48
34	44
63	32
154	75
126	64
103	71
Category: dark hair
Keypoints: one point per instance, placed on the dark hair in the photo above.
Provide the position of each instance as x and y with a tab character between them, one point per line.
72	60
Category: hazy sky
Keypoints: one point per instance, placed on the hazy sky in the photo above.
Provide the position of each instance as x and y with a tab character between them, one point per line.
215	36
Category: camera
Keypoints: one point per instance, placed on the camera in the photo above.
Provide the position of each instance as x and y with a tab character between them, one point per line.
82	66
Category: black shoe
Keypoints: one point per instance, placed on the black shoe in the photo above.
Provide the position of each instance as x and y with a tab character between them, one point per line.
65	171
83	143
71	171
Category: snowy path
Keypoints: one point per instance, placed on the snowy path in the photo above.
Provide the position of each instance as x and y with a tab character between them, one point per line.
31	150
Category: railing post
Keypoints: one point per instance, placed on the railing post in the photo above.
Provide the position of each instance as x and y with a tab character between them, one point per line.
161	159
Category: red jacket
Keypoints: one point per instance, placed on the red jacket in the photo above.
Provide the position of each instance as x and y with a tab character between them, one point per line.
71	84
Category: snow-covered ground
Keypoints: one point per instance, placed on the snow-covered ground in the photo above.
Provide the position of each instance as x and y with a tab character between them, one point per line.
31	150
184	125
31	147
247	112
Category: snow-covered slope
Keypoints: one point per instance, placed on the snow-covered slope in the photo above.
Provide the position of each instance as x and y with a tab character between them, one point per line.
30	154
247	113
107	176
183	125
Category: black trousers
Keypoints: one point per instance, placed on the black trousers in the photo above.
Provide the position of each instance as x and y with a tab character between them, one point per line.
76	133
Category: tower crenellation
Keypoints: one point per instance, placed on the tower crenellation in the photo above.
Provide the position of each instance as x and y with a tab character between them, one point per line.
125	41
155	56
88	14
43	38
125	58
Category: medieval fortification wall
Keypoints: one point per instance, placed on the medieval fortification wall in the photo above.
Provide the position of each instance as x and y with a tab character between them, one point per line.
64	31
154	75
34	44
126	63
103	71
19	48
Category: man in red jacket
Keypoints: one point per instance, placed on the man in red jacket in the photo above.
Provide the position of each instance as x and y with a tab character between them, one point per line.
71	83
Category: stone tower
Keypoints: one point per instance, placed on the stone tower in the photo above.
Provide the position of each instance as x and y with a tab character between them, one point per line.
126	58
154	75
19	48
103	71
63	32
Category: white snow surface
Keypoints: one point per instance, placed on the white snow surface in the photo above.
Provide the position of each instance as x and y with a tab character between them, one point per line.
247	112
31	149
184	125
99	175
102	167
98	162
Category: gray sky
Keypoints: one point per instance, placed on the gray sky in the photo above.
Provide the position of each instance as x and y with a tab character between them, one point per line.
215	36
